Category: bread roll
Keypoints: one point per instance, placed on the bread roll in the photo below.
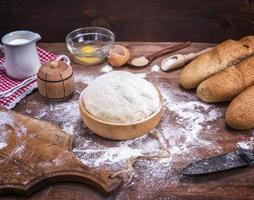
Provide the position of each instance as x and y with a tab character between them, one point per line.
227	84
222	56
240	112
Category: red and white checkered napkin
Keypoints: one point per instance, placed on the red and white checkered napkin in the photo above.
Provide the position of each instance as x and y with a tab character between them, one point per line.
7	83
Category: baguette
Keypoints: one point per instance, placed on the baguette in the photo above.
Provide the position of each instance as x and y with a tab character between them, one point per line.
222	56
240	112
227	84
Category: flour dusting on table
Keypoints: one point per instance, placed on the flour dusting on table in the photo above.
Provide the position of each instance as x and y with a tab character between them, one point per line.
155	68
65	113
247	144
186	140
106	68
86	79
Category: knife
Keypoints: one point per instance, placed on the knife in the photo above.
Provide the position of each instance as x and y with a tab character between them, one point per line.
239	158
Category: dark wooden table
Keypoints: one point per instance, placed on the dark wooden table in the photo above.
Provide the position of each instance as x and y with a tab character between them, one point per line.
135	20
236	184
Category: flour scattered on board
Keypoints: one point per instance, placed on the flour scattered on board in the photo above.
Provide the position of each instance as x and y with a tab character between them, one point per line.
184	139
13	127
4	119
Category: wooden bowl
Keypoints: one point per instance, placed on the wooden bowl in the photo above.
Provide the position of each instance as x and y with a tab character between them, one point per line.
120	131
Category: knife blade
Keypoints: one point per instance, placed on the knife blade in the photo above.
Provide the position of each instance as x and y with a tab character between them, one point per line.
239	158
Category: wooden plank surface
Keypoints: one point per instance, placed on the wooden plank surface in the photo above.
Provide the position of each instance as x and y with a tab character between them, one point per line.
133	20
237	184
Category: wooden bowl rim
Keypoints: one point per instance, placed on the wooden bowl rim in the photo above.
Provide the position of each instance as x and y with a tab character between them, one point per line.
83	109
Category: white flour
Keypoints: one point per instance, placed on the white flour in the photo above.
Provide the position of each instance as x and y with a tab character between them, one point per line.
65	113
106	69
141	75
81	78
18	129
248	144
4	119
115	155
110	156
186	129
155	68
3	139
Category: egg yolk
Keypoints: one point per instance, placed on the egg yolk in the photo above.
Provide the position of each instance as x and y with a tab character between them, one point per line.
87	49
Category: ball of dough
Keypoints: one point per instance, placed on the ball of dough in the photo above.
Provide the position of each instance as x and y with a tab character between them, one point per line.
121	97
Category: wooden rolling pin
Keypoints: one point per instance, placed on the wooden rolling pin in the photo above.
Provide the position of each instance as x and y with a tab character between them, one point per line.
179	60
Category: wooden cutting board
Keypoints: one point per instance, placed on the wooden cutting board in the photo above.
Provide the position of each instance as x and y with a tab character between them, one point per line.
34	153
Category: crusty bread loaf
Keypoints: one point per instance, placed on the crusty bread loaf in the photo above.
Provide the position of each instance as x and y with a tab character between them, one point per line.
227	84
222	56
240	112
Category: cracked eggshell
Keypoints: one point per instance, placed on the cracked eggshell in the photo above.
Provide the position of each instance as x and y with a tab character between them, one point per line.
118	56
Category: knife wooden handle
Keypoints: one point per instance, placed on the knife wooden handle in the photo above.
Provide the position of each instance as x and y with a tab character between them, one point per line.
247	155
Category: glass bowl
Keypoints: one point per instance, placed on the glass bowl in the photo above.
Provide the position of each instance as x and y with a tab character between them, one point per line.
90	45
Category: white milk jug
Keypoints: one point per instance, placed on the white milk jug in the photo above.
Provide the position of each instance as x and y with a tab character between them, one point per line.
21	56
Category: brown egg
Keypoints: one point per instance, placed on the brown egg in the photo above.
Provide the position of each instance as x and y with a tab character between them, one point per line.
118	56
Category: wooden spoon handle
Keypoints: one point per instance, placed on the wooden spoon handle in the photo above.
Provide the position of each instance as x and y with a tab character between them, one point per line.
191	56
168	50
